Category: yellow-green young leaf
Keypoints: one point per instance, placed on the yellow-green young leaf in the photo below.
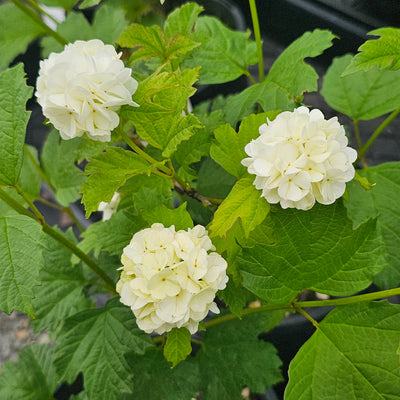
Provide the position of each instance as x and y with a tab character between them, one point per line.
290	72
107	172
228	150
315	249
178	346
362	95
363	181
108	23
178	217
355	345
181	21
94	342
224	54
244	202
33	377
152	43
383	52
13	116
158	120
21	258
379	202
17	31
59	164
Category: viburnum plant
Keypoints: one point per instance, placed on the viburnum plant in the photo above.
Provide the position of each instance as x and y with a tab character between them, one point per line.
216	220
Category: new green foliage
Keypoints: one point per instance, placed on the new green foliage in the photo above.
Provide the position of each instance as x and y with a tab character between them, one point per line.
177	346
93	342
107	172
13	116
243	202
224	54
178	217
355	345
228	150
362	95
383	52
182	20
152	42
316	249
159	120
33	377
21	258
379	202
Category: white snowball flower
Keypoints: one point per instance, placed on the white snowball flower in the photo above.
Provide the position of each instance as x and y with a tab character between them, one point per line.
169	279
109	208
299	158
81	88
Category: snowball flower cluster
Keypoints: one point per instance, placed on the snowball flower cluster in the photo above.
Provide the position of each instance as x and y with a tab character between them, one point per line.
81	88
169	279
299	158
110	208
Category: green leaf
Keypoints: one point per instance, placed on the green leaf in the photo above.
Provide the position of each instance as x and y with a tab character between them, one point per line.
146	192
378	202
243	202
315	249
87	149
111	235
232	357
94	342
107	172
166	216
268	94
33	377
179	383
224	54
17	31
59	164
235	297
213	181
88	3
354	345
29	180
152	43
67	4
108	23
290	72
60	292
21	258
158	120
13	116
383	52
178	346
198	146
182	20
228	150
362	95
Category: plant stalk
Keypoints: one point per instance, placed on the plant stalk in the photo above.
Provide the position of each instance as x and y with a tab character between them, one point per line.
41	11
305	304
359	143
61	239
378	131
36	18
257	35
